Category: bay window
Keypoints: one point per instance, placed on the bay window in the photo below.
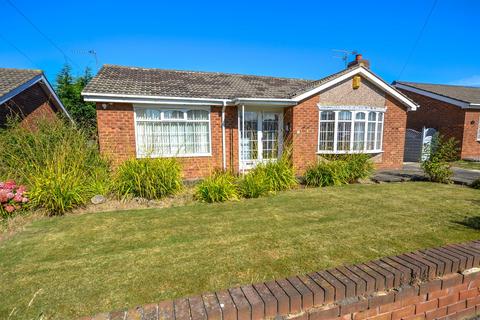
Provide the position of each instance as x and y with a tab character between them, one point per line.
172	132
327	130
354	129
344	130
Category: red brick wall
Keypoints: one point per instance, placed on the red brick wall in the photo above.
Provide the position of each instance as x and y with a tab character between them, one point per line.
117	139
395	122
116	132
449	120
440	283
470	145
33	103
305	133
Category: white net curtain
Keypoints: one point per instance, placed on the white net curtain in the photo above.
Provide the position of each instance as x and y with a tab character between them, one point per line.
181	132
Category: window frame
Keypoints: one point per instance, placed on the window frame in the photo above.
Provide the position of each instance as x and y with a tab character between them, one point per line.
478	130
354	111
162	109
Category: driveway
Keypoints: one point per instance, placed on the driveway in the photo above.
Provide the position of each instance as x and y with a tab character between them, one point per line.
411	171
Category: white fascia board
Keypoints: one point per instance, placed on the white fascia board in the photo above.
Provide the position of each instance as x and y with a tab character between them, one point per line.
115	97
264	102
28	84
367	74
153	100
432	95
139	99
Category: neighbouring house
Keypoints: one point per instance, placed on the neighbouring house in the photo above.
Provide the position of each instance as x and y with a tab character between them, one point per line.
454	111
26	94
232	121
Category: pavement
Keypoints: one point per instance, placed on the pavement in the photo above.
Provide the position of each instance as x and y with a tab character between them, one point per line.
412	172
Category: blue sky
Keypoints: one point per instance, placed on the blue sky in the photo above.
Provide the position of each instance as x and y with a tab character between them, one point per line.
289	39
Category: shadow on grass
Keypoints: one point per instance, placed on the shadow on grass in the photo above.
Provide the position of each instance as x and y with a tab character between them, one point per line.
470	222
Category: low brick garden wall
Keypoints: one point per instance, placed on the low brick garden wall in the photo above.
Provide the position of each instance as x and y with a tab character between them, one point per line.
439	283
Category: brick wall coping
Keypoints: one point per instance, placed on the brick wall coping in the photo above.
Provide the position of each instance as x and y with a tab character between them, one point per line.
410	280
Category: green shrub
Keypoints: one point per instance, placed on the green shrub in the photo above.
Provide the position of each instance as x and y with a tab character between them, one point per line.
219	187
444	149
327	173
359	166
254	184
279	175
148	178
338	170
56	161
476	184
437	168
437	171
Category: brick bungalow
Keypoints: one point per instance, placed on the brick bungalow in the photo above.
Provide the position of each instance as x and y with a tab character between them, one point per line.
232	121
454	111
28	95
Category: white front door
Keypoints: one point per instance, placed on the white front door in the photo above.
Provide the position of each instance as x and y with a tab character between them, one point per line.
260	137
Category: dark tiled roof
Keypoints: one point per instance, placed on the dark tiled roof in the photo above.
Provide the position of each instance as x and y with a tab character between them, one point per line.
10	79
174	83
316	83
462	93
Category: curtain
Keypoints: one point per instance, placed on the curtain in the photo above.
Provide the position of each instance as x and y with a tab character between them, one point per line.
172	132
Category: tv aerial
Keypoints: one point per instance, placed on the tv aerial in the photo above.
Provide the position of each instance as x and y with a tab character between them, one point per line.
344	54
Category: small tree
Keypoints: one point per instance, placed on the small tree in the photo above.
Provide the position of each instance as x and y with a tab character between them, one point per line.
437	167
69	89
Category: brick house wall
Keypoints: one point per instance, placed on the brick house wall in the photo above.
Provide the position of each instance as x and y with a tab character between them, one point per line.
393	134
33	103
470	144
449	120
117	133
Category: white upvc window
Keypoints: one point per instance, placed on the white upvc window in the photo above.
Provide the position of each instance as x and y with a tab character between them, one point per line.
478	130
172	132
352	130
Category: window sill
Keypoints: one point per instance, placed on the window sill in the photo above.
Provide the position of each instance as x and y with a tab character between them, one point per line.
189	155
349	152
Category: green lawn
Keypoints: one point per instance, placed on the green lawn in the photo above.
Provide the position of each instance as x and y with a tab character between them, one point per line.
467	164
84	264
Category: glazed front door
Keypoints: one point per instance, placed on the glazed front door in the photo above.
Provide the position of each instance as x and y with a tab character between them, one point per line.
260	137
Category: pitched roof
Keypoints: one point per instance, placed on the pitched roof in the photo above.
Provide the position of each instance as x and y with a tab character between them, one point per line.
461	93
11	79
316	83
15	81
145	85
113	79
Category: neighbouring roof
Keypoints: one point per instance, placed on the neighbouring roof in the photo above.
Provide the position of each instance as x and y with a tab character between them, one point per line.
11	79
15	81
460	93
161	82
146	85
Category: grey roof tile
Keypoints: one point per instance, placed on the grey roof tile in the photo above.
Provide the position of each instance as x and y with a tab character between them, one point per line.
462	93
175	83
10	79
137	81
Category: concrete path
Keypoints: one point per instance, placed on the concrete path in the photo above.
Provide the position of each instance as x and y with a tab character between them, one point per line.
412	172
